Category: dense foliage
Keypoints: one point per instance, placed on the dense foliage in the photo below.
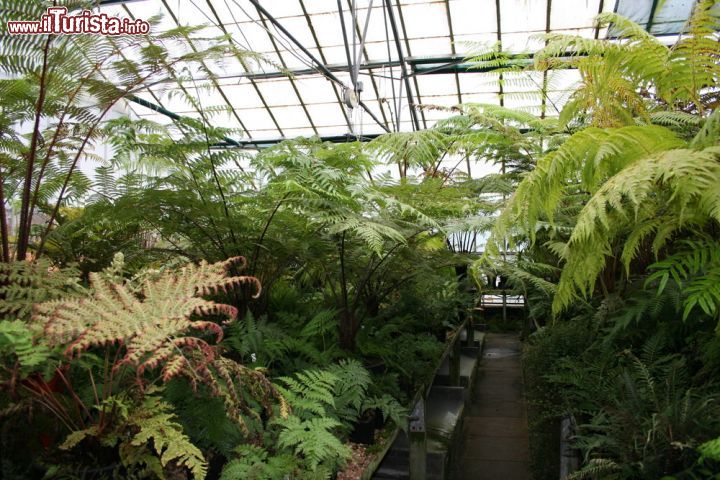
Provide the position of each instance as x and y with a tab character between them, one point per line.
628	208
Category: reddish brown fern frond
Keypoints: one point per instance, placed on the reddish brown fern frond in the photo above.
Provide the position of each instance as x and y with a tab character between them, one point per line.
154	326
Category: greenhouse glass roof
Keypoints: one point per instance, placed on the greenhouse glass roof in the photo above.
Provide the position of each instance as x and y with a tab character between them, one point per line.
411	59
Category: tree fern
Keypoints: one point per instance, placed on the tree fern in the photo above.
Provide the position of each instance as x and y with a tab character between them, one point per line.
587	159
23	284
689	178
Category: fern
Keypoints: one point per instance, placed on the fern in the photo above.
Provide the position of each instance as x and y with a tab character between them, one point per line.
254	463
17	340
595	468
314	440
157	423
390	408
710	449
350	390
689	178
23	284
310	392
696	268
150	328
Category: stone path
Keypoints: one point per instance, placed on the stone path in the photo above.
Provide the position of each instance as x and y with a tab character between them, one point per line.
496	435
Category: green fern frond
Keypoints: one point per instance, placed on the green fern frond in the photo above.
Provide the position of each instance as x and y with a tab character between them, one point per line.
158	424
594	469
17	340
314	440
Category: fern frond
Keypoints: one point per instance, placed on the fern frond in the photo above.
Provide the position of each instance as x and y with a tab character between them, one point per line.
313	439
157	423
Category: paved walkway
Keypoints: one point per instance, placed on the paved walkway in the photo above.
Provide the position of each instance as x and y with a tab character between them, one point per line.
496	435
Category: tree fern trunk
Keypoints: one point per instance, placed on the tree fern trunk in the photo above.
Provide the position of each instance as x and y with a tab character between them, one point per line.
4	234
348	329
23	237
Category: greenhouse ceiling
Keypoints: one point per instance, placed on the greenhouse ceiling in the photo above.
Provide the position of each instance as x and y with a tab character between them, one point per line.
408	57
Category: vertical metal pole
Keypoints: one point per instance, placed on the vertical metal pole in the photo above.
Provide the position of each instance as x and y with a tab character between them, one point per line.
470	331
455	363
504	306
403	67
417	435
569	461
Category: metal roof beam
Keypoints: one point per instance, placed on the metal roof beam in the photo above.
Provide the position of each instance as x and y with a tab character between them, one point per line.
409	51
175	116
651	18
403	67
321	66
322	57
452	47
357	67
292	82
260	144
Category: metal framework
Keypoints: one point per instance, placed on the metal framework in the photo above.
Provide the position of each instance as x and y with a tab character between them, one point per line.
404	73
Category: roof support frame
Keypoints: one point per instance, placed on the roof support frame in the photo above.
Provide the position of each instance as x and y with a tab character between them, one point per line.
452	47
407	45
651	18
357	67
346	42
403	67
322	57
292	81
260	144
499	40
601	7
242	62
321	66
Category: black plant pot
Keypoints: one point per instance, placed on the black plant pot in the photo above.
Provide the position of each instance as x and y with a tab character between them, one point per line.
364	429
379	421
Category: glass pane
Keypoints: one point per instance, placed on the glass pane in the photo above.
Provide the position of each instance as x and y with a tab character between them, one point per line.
315	89
479	83
257	119
243	96
573	14
524	15
672	16
425	20
290	117
473	16
278	92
